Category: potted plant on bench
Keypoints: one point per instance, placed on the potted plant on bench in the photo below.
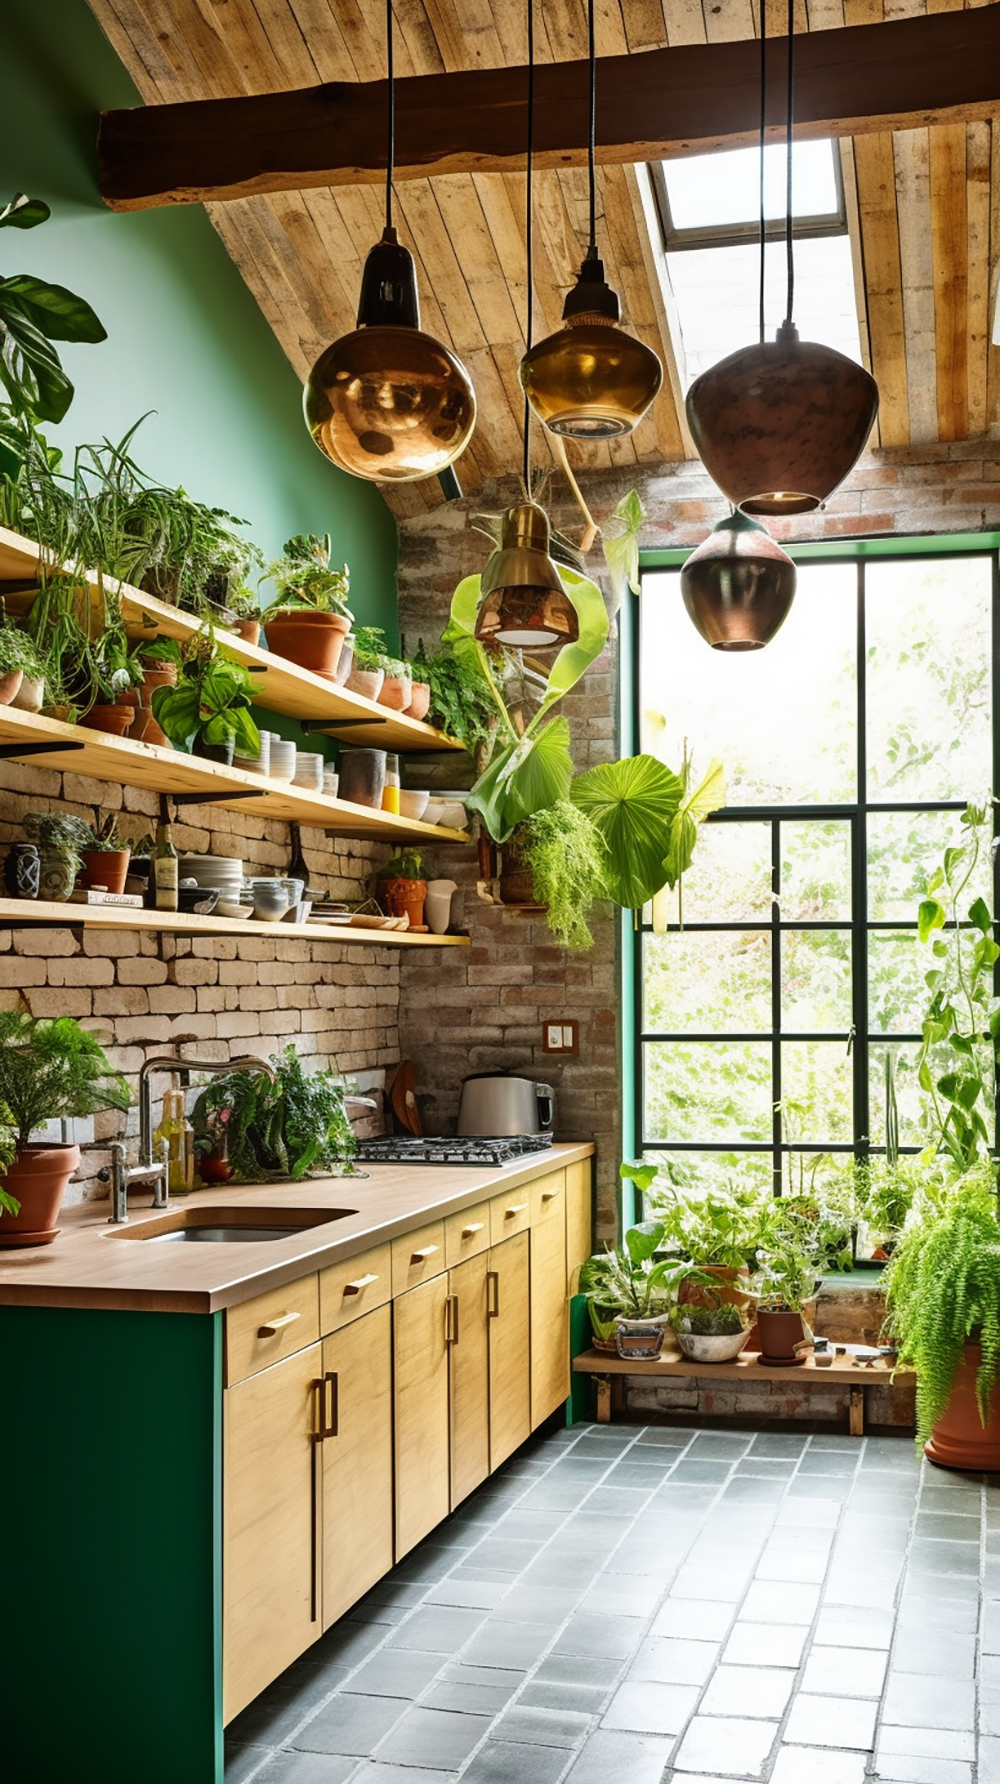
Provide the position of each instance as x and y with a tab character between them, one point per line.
630	1284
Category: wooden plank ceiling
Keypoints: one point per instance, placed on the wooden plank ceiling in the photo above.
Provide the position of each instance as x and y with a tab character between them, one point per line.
924	209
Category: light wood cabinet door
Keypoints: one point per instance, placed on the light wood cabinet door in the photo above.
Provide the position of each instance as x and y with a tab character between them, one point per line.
579	1220
549	1320
422	1433
269	1559
356	1457
468	1366
509	1350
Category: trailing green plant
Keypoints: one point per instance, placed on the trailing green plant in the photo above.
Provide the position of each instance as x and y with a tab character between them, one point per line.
210	701
566	857
304	579
630	1282
943	1287
721	1321
285	1129
963	1016
19	651
33	314
51	1069
59	833
461	703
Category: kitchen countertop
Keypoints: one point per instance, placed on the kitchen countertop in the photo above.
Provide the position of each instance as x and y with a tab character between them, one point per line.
92	1264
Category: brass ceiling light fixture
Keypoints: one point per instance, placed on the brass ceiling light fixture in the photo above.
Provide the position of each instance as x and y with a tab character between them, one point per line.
387	402
779	425
591	380
524	604
738	586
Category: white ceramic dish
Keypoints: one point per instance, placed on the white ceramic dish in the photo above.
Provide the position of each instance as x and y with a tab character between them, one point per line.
433	811
412	804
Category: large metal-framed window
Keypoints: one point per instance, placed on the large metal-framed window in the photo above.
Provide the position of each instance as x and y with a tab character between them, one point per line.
762	1022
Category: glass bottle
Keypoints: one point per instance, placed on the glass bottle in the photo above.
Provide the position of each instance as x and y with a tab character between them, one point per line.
390	792
164	862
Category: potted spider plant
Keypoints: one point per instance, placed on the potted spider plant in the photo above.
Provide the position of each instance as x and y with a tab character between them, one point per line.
310	618
51	1069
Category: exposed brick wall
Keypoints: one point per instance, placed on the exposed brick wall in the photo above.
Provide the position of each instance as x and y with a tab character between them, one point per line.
139	991
463	1013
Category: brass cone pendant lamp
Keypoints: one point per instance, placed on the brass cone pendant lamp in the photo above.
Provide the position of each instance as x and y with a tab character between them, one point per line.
389	403
524	604
591	380
780	424
738	586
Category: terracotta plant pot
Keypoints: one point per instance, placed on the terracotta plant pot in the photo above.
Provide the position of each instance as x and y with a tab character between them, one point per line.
959	1439
115	720
146	730
106	867
346	663
30	694
420	699
404	898
779	1334
367	682
312	640
9	685
396	692
38	1178
247	629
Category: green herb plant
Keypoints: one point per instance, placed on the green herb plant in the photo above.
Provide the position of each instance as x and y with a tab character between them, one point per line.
304	579
461	704
296	1125
210	701
721	1230
630	1283
51	1069
403	864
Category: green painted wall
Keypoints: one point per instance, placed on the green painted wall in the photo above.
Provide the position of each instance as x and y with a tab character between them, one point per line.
186	339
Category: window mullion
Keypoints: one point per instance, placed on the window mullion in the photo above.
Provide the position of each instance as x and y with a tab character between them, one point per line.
859	892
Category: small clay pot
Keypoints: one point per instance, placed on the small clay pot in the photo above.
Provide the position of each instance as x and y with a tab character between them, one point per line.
396	692
30	694
362	777
420	699
346	663
779	1333
115	720
367	682
9	685
146	730
37	1179
247	629
107	868
312	640
404	898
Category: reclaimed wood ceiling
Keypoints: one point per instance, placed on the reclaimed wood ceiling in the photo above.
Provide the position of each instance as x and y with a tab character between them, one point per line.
923	209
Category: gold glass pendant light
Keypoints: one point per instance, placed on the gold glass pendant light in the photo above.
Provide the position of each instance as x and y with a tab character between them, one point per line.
591	380
780	424
524	604
387	402
738	586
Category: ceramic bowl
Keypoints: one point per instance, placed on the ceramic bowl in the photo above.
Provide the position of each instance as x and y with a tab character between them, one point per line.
270	901
412	804
229	908
433	811
454	815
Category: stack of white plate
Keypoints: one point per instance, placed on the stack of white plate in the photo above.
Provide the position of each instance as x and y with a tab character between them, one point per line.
282	759
309	770
221	873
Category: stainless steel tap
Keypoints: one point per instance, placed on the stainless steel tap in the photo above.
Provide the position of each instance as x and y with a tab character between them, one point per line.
121	1175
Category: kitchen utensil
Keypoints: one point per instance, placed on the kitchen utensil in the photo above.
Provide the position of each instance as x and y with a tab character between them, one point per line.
495	1104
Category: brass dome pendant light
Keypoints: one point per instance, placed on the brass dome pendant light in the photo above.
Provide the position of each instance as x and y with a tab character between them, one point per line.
591	380
738	586
387	402
524	604
779	425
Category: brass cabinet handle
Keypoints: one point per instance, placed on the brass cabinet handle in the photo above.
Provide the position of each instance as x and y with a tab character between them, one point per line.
518	1208
420	1257
358	1287
476	1227
451	1319
274	1326
493	1305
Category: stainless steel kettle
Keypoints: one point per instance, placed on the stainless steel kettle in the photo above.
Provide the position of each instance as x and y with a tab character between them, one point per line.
495	1104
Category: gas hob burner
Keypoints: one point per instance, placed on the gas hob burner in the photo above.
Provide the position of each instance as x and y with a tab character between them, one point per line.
402	1149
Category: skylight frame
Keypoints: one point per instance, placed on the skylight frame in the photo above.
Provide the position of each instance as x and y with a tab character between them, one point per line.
725	235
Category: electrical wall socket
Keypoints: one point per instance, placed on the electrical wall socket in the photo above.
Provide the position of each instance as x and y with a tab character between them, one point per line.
560	1037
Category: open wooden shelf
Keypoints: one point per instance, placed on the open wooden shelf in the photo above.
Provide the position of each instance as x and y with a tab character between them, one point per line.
744	1367
18	913
76	749
281	686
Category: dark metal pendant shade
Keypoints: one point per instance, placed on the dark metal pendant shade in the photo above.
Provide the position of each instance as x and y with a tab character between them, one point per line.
779	425
524	604
738	585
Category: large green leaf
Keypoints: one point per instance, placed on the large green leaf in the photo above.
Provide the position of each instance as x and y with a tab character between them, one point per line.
23	212
631	803
692	811
58	313
621	543
528	776
29	366
575	659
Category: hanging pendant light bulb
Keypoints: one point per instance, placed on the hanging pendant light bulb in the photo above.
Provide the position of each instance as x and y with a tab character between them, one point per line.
591	380
387	402
779	425
738	586
524	604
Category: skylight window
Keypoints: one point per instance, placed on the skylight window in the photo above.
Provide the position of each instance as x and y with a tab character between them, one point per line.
718	196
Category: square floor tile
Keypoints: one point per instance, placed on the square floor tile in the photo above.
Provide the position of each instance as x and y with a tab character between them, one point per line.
920	1649
439	1740
351	1725
726	1746
923	1700
395	1673
908	1769
546	1694
541	1726
650	1709
779	1644
625	1595
842	1626
479	1595
514	1646
773	1602
747	1691
673	1662
845	1672
508	1762
319	1768
688	1618
927	1743
831	1722
633	1758
814	1765
613	1636
797	1566
722	1585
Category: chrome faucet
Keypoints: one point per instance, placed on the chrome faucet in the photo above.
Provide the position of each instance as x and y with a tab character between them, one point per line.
122	1175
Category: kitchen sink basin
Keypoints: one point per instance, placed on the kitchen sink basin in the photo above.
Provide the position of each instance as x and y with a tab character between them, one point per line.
231	1226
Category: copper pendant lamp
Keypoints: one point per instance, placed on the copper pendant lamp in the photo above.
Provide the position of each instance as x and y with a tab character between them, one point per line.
387	402
738	586
524	604
780	424
591	380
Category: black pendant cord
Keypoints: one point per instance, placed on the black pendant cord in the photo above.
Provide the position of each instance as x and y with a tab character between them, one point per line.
763	140
390	164
592	132
528	243
790	114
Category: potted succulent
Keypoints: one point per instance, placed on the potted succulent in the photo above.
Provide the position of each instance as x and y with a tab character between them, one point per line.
208	711
368	662
400	886
62	839
630	1284
51	1069
310	618
105	862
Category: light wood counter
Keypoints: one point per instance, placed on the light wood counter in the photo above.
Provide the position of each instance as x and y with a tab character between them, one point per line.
92	1264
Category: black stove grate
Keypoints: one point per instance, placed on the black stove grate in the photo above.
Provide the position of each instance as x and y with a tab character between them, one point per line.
401	1149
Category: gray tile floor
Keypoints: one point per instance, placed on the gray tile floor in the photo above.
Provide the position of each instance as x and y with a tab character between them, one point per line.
665	1604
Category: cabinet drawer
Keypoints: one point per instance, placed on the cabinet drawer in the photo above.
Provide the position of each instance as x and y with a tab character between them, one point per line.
356	1286
417	1256
467	1234
509	1214
548	1197
270	1327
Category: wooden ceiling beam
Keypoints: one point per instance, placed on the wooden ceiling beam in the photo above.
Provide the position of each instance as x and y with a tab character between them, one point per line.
903	73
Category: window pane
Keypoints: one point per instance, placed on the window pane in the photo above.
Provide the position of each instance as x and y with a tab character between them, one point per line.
904	848
703	1173
729	880
706	190
708	1091
916	1113
897	995
815	872
707	984
817	1091
929	652
715	291
816	993
782	719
